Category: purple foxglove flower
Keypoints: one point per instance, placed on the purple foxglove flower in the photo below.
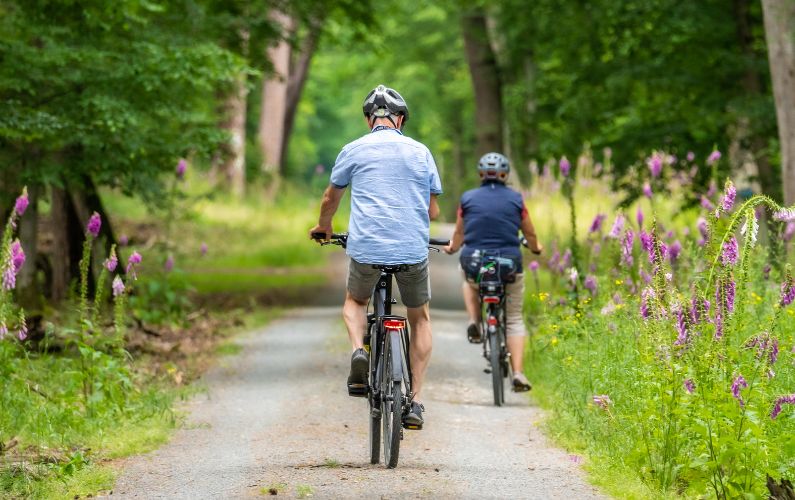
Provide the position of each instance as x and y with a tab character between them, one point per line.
22	202
773	354
691	156
134	260
718	322
626	248
573	275
602	401
729	255
168	266
112	261
565	166
783	400
645	296
713	157
182	166
690	386
646	277
703	228
784	215
674	250
728	197
646	241
94	224
204	249
713	189
618	226
655	165
17	256
554	260
647	190
590	284
729	292
681	327
738	384
575	459
117	286
596	225
123	240
787	293
789	231
639	217
23	331
3	331
566	259
706	204
533	266
766	272
617	298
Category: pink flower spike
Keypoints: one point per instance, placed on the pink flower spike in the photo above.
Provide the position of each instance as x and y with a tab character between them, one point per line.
94	225
168	266
22	202
647	190
123	240
118	286
111	262
134	260
204	249
533	266
713	157
565	166
182	166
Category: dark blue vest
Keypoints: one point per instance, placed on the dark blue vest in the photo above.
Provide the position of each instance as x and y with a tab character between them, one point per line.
492	217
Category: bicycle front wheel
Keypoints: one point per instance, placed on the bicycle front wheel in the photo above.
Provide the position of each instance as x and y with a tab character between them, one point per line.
496	368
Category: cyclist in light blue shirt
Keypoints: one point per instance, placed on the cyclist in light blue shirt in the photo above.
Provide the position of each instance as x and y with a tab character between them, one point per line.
394	184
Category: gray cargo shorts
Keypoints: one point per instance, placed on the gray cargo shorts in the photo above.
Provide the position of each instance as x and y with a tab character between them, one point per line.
414	283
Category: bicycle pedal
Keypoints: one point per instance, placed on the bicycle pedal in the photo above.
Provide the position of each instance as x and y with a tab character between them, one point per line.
487	370
412	427
357	390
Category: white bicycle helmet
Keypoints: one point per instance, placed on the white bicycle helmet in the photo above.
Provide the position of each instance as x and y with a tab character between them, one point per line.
494	166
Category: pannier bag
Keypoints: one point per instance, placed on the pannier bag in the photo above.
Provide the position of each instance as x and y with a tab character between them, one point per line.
483	267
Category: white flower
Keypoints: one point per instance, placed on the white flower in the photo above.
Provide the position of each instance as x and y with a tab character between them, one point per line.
750	219
785	214
573	275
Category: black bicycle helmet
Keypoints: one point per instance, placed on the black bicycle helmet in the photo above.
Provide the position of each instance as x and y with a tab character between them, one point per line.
494	166
385	102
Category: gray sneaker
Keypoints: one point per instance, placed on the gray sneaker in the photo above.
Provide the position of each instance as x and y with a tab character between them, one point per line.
357	380
413	419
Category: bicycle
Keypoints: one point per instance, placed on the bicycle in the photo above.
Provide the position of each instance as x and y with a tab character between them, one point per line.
387	340
492	302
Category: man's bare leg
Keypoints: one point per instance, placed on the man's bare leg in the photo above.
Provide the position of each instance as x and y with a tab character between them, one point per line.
421	345
354	312
472	302
516	348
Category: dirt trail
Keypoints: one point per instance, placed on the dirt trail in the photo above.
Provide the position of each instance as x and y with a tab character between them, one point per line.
277	417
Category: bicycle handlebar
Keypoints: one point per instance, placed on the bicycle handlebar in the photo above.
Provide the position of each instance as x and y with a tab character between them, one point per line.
342	239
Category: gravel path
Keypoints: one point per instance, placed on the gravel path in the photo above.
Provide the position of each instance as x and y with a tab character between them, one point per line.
277	417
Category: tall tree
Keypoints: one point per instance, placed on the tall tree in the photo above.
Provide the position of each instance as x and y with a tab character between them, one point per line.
780	34
486	81
274	97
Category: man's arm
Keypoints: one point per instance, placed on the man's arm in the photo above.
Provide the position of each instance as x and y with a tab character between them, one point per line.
458	236
328	207
530	233
433	207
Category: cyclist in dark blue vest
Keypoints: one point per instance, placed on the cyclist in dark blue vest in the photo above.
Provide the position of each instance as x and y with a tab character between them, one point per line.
489	220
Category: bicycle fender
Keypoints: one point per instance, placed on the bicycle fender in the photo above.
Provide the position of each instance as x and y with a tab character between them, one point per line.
395	347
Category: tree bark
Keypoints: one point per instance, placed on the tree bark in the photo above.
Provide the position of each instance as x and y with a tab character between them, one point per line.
230	161
60	211
780	34
295	85
485	81
749	136
274	101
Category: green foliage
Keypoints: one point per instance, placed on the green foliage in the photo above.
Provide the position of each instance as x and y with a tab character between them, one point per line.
115	93
643	344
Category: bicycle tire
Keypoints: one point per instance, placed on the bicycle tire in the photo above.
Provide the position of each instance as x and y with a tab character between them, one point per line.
374	417
496	368
393	431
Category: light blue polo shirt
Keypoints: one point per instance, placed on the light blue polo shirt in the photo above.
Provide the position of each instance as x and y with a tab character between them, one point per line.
392	178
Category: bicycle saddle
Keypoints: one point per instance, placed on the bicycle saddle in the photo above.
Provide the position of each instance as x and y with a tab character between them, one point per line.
391	269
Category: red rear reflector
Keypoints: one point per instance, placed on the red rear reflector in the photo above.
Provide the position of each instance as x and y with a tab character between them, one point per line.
491	300
492	321
394	324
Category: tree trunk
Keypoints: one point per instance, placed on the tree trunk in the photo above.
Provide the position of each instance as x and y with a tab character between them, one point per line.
60	220
295	85
486	82
274	101
29	293
780	34
230	161
749	136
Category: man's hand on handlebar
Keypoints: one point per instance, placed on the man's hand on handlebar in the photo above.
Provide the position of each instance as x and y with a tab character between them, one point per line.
321	229
538	249
449	249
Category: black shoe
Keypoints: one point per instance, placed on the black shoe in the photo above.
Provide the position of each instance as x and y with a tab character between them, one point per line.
413	419
473	333
520	383
357	380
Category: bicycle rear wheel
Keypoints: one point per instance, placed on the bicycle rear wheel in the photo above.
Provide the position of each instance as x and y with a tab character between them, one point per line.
496	368
391	408
375	407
